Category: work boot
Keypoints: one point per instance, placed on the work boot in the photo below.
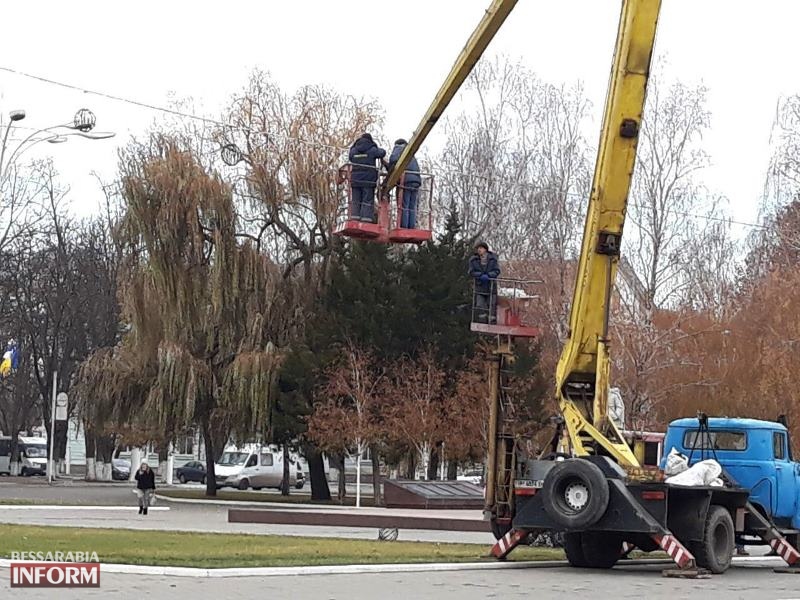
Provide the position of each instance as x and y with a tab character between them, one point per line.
141	508
144	510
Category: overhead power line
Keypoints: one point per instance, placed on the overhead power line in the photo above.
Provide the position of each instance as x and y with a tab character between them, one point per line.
311	143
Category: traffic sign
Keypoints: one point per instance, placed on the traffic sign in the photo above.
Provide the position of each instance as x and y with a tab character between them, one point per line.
61	406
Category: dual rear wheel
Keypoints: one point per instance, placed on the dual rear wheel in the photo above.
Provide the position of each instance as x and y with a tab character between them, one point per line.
715	552
593	549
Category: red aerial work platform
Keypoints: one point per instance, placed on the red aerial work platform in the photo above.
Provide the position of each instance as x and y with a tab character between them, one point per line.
386	227
502	309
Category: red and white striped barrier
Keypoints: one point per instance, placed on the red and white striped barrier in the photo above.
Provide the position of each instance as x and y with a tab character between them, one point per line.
785	550
627	548
677	551
508	542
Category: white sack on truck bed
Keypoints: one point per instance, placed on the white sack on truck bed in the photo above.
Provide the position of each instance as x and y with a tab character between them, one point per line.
676	463
704	473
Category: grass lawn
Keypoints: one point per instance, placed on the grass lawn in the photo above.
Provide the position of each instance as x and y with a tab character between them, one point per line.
226	494
29	501
213	550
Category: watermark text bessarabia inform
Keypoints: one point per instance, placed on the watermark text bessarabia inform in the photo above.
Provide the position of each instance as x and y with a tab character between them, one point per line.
55	569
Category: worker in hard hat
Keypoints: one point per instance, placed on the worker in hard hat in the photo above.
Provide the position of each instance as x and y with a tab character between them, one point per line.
363	155
408	189
484	270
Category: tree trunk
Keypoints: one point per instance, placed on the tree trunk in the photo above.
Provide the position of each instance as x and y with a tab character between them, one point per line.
105	453
433	463
14	465
337	461
62	439
211	480
163	455
89	444
452	470
376	476
359	451
411	465
316	473
286	481
136	461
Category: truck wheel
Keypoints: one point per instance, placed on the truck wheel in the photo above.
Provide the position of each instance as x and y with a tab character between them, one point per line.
244	484
573	548
716	550
601	549
575	494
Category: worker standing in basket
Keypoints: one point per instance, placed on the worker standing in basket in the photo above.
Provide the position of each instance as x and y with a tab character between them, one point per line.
364	154
409	186
484	270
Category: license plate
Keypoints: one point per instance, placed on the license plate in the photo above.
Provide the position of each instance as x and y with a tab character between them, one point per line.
529	483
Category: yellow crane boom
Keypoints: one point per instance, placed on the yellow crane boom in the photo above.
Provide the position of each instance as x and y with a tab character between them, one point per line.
582	377
489	25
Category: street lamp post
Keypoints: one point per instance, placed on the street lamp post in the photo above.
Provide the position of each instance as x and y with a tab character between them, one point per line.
82	125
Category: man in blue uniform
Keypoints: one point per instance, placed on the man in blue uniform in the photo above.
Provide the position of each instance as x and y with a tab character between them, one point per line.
364	154
484	269
409	186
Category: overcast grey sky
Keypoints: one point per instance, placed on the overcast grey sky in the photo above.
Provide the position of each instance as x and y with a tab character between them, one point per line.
744	51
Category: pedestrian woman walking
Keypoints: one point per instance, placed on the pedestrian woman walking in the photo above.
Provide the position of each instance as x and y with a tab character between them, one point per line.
145	487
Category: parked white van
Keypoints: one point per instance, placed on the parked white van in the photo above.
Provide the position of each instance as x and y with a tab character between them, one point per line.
5	455
257	467
32	455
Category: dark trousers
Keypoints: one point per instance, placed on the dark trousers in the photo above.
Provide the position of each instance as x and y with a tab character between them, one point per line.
362	202
485	303
408	218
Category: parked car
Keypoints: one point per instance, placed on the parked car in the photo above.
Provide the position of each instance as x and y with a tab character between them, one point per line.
300	477
5	455
256	467
474	477
192	471
33	456
120	469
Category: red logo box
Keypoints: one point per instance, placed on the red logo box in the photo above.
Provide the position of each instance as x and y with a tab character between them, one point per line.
53	574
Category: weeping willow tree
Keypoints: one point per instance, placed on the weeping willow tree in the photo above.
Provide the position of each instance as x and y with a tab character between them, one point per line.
197	302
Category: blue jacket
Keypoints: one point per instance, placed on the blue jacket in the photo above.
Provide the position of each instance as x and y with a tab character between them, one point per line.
363	154
412	177
476	269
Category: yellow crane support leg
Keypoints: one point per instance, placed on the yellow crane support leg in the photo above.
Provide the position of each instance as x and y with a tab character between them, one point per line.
582	377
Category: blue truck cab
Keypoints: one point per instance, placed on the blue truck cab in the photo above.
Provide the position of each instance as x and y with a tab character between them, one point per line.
757	454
